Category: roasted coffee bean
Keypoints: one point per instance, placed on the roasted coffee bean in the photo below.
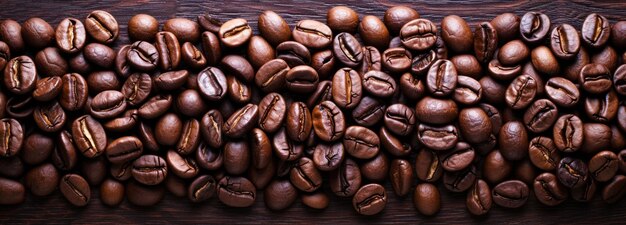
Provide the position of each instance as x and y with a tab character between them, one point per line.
168	129
49	117
400	119
368	112
20	75
14	137
99	55
107	104
49	61
548	190
427	166
360	142
111	192
596	137
562	92
401	176
619	80
11	35
212	83
142	27
100	81
370	199
149	169
345	180
192	56
75	189
418	34
208	157
459	158
457	34
305	176
534	26
436	111
328	157
312	34
479	200
374	32
273	28
271	76
324	63
602	108
521	92
212	48
347	49
202	188
64	156
89	136
37	33
48	88
595	30
143	56
342	19
238	66
20	106
543	153
285	148
565	41
124	149
242	121
510	194
376	169
13	192
294	53
513	53
500	72
302	79
572	172
544	61
441	78
603	166
236	192
260	148
235	32
540	116
427	199
460	181
184	29
181	166
411	87
298	121
468	91
371	60
137	88
437	137
568	133
396	60
70	35
94	170
102	26
485	41
614	190
190	103
5	55
475	125
328	121
595	78
496	168
238	91
168	49
272	111
513	140
36	148
42	180
259	51
279	195
347	88
155	106
393	144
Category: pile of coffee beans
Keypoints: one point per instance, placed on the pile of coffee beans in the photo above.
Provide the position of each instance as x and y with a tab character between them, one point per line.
503	110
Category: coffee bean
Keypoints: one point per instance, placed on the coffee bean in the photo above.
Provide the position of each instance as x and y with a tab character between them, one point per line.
596	137
168	49
371	60
155	106
347	49
168	129
460	181
5	54
543	153
328	157
399	119
285	148
235	32
241	121
102	26
456	32
305	176
190	103
37	33
236	192
370	199
540	116
70	35
273	28
437	137
418	34
279	195
441	78
192	56
184	29
601	108
510	194
49	61
374	32
272	111
565	41
142	27
347	88
345	180
124	149
486	40
521	92
13	192
603	166
427	166
107	104
436	111
548	190
614	191
396	60
534	26
20	75
361	142
211	47
324	62
149	169
479	199
496	168
75	189
376	169
302	79
595	78
401	176
238	66
42	180
475	125
89	136
328	121
111	192
572	172
595	30
427	199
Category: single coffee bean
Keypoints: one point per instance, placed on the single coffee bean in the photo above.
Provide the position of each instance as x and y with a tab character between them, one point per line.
401	176
36	148
5	54
347	88
475	125
342	19
496	167
374	32
305	176
500	72
513	53
328	157
568	133
100	81
602	108
238	66
562	92
181	166
540	116
273	28
548	190
168	49
242	121
543	153
345	180
393	144
595	30
20	75
155	106
398	16
272	111
89	136
596	137
614	191
485	41
285	148
370	199
99	55
294	53
13	192
468	65
70	35
324	63
298	121
143	56
102	26
427	166
459	158
79	64
259	51
75	189
172	80
312	34
565	41
149	169
279	195
202	188
441	78
521	92
49	61
460	181
328	121
49	117
510	194
586	192
376	169
368	112
437	138
124	149
260	148
456	32
361	142
185	30
192	56
411	87
212	49
513	140
142	27
190	103
572	172
302	79
19	106
595	78
479	200
534	26
603	166
418	34
209	158
400	119
168	129
37	33
235	32
544	61
396	60
107	104
42	180
111	192
371	60
212	83
236	192
11	34
137	88
14	137
347	49
427	199
436	111
619	80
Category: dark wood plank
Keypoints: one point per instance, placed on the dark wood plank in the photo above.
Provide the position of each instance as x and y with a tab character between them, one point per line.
55	209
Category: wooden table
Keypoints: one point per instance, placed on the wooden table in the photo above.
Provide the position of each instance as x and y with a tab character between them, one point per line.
55	209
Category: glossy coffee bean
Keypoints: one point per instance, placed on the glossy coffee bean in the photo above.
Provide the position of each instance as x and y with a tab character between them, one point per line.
241	121
294	53
496	168
595	78
143	56
376	169
70	35
603	166
427	166
347	88
168	49
460	181
596	137
184	29
107	104
285	148
328	121
485	41
601	108
100	81
369	111
235	32
99	55
279	195
149	169
374	32
212	83
324	62
305	176
418	34
328	157
565	41
5	54
182	166
614	190
272	111
396	60
400	119
124	149
37	33
548	190
474	125
236	192
436	111
562	92
510	194
479	200
42	180
370	199
49	117
441	78
75	189
102	26
137	88
427	199
396	17
312	34
521	92
49	61
192	56
572	172
11	35
544	61
212	49
438	138
89	136
371	60
347	49
513	140
456	31
568	133
111	192
361	142
345	180
302	79
540	116
543	153
36	148
20	75
273	28
534	26
595	30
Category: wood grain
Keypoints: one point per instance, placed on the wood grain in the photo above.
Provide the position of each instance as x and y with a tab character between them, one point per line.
55	209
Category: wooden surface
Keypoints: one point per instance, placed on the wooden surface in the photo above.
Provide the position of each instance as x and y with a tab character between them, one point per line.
55	209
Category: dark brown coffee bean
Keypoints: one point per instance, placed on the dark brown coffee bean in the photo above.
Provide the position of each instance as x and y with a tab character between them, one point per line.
475	125
142	27
401	176
185	30
11	35
543	153
111	192
596	137
137	88
438	138
124	149
20	75
398	16
238	66
49	117
181	166
510	194
102	26
619	80
513	53
368	112
540	116
294	53
534	26
14	137
99	55
155	106
548	190
396	60
192	56
328	121
565	41
259	51
459	158
347	88
19	106
418	34
75	189
324	63
302	79
460	181
595	30
602	108
411	87
572	172
595	78
260	148
190	103
143	56
603	166
144	195
614	191
49	61
212	48
485	41
342	19
242	121
312	34
427	199
42	180
285	148
361	142
393	144
37	33
89	136
36	148
374	32
427	166
562	92
370	199
70	35
235	32
273	28
212	83
298	121
456	31
328	157
5	55
376	169
498	71
441	78
168	129
107	104
345	180
94	170
496	167
202	188
100	81
171	80
371	60
236	192
436	111
149	169
479	199
168	49
568	133
513	141
400	119
305	176
544	61
272	111
13	192
347	49
521	92
209	158
279	195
